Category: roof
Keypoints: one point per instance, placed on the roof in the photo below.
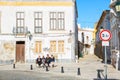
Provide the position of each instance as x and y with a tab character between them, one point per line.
102	17
86	29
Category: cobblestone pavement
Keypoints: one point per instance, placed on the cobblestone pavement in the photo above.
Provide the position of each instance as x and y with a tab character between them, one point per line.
31	75
88	71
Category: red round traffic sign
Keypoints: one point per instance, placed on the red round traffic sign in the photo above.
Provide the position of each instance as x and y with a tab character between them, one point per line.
105	35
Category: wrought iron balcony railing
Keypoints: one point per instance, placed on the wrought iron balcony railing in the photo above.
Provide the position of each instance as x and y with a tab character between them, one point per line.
20	30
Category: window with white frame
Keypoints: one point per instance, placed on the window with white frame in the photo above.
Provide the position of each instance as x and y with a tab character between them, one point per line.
57	46
20	22
61	46
38	22
53	20
38	46
53	46
60	20
57	21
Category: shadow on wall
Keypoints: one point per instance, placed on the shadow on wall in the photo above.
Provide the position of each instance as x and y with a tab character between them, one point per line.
80	49
98	50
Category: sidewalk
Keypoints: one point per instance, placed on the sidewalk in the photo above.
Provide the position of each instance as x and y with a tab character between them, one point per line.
88	69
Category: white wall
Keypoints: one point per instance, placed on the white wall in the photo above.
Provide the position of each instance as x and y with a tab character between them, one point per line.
8	17
8	21
87	32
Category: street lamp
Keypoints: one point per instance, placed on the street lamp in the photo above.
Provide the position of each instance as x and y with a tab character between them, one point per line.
29	35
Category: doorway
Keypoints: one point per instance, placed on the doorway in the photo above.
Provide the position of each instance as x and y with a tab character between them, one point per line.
20	51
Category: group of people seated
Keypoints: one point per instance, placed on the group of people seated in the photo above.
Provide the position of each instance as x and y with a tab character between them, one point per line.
45	61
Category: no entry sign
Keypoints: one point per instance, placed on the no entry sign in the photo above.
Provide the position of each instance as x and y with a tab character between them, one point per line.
105	35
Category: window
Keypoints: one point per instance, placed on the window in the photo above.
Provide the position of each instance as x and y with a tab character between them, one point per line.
38	22
38	46
20	22
53	20
52	46
87	39
61	46
56	20
60	20
82	37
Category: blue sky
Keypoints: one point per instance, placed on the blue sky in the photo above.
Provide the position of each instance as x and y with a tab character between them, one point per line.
89	11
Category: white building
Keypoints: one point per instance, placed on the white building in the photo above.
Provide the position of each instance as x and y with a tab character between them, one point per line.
29	28
85	36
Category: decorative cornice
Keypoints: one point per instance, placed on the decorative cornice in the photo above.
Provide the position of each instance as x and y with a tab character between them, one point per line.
35	3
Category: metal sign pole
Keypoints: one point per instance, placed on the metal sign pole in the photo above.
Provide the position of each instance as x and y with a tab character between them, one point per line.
105	36
105	64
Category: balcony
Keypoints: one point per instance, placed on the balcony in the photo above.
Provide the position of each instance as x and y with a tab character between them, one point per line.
20	31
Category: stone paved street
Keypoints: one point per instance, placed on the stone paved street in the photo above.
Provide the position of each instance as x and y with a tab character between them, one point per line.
31	75
88	71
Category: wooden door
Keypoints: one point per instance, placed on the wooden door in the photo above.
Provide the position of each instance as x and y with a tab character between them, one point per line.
20	51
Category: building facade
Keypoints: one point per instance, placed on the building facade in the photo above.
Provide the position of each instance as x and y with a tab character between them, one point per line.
85	38
115	41
31	28
104	22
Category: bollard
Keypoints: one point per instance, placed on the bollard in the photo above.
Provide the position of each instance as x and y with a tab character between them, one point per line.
31	67
78	71
98	74
62	70
14	66
47	68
